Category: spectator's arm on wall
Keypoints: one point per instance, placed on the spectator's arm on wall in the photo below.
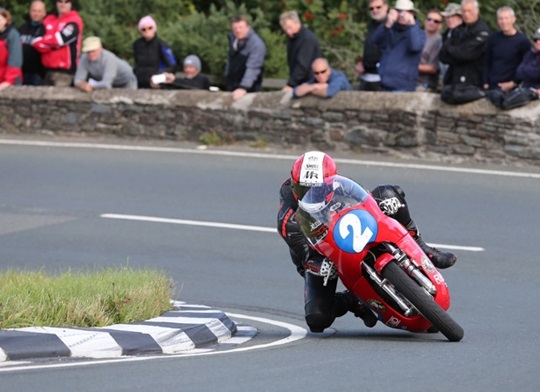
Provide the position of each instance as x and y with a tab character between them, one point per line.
337	83
81	76
254	64
303	89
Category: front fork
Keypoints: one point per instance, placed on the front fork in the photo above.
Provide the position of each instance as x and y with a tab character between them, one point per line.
410	268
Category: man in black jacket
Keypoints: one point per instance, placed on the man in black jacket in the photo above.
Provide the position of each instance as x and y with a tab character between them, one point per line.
464	54
33	70
367	67
302	49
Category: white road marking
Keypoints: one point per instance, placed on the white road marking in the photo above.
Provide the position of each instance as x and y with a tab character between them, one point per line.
154	219
295	333
104	146
188	222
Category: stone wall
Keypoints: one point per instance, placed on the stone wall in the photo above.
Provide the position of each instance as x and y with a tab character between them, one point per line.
409	124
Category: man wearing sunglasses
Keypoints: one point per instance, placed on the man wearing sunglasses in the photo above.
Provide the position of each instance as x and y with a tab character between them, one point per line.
326	82
61	45
367	66
428	69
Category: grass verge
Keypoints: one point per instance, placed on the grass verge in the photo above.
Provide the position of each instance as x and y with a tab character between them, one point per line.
96	299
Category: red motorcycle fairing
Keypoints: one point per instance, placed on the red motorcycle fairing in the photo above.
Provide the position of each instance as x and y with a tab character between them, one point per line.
348	232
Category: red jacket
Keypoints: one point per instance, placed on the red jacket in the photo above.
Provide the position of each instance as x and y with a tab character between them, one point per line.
61	45
10	56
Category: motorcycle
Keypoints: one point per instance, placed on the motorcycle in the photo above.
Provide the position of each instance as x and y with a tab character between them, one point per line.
376	258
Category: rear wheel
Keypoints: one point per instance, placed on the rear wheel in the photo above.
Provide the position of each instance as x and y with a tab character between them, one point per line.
423	302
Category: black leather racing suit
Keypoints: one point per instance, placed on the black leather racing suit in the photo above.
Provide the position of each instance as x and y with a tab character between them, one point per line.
322	303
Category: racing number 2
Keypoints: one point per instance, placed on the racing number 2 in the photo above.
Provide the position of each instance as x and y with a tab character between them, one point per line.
360	236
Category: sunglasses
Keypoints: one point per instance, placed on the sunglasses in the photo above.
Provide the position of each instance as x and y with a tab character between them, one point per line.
377	7
319	72
434	20
146	28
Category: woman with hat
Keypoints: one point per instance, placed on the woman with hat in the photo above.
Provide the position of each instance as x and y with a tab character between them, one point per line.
152	54
401	41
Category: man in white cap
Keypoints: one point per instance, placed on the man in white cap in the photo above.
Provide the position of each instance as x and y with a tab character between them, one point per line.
102	69
401	41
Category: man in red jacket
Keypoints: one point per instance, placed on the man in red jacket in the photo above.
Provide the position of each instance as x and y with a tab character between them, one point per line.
60	47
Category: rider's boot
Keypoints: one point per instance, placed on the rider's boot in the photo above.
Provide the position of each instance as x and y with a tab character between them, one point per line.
439	259
347	302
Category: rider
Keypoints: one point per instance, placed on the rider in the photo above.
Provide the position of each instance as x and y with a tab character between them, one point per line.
322	303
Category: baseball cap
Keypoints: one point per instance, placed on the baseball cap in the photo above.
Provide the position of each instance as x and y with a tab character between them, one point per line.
90	44
451	10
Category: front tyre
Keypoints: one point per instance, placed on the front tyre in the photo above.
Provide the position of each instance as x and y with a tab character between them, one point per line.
423	302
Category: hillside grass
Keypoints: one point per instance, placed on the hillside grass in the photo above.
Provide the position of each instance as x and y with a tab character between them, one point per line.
77	299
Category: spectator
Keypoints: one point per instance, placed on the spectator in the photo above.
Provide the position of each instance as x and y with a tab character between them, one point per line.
302	49
192	79
464	53
245	62
152	54
505	50
102	69
61	45
326	82
10	52
428	70
452	19
401	41
529	69
33	70
367	67
529	73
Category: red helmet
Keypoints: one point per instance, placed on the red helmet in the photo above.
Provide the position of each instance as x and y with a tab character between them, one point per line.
309	170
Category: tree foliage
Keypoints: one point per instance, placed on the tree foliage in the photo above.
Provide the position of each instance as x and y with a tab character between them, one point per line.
201	27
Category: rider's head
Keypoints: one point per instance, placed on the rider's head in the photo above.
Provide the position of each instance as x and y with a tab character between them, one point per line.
310	170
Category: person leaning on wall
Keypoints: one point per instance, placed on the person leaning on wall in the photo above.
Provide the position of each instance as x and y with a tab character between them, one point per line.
10	52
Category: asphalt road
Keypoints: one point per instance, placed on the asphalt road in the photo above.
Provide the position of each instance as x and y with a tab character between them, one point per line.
52	201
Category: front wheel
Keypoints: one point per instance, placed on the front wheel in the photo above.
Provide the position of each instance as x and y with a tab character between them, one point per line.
423	302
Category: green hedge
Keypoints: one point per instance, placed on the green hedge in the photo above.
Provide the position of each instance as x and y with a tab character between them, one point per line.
201	26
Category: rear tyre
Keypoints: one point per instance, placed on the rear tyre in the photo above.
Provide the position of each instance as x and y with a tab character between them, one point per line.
423	302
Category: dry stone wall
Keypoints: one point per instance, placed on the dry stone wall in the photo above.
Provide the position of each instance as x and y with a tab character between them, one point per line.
415	124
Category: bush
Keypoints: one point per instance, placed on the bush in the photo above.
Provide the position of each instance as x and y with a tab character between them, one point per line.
201	27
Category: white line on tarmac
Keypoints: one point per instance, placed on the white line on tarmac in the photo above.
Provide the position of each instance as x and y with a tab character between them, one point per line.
154	219
188	222
203	150
296	333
